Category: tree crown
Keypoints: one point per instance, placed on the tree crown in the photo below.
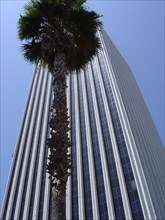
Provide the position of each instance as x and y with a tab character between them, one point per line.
52	27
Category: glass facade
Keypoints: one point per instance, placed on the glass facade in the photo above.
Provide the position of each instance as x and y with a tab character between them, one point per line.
118	204
127	170
73	153
98	167
108	178
86	178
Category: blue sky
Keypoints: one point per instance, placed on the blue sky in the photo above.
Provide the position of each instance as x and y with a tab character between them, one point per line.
135	27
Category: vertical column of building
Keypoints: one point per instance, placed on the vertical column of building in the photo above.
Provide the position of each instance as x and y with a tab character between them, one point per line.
95	207
129	180
79	153
85	155
108	192
47	198
29	148
145	200
145	135
38	199
123	189
18	168
75	214
46	184
69	190
31	141
6	207
103	210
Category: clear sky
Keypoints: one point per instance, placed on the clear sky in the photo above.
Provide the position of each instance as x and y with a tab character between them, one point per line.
135	27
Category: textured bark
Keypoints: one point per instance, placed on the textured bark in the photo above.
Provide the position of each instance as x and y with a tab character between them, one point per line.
58	143
58	206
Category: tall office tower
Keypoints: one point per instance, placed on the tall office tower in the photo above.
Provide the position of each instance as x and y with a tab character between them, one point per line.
117	155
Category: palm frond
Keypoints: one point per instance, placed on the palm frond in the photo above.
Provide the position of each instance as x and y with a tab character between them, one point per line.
59	27
32	52
77	4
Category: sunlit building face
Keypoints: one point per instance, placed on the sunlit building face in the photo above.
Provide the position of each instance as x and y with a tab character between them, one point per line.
117	155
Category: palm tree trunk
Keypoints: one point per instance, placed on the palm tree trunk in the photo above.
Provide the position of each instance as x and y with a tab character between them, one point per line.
58	206
59	160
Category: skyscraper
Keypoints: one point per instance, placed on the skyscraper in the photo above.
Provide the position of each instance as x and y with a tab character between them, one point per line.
117	155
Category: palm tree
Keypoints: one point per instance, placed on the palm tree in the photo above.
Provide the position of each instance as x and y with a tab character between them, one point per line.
60	34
